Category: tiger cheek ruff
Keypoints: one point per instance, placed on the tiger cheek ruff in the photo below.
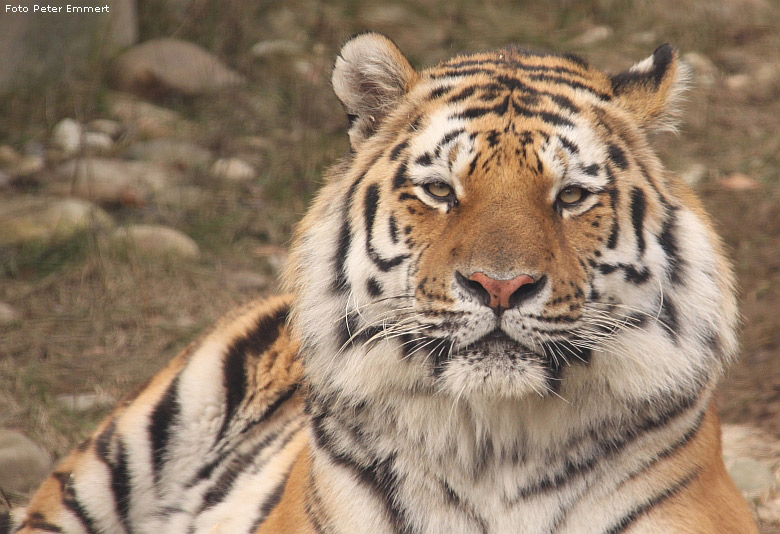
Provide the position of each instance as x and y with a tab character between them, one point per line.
504	317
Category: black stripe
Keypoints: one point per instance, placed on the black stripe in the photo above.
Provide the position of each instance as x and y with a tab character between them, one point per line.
571	83
638	208
669	317
425	160
617	156
614	198
397	149
340	282
639	511
592	169
546	116
378	476
240	463
393	226
163	416
473	113
373	287
37	521
605	449
118	471
569	145
400	178
369	212
439	91
255	342
270	502
668	241
71	502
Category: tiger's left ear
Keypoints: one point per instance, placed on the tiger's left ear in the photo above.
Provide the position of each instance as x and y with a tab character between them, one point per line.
370	77
651	90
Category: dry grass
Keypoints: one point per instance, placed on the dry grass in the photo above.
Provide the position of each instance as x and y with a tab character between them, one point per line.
100	319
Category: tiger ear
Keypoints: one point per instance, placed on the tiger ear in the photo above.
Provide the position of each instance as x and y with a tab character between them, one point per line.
652	89
370	77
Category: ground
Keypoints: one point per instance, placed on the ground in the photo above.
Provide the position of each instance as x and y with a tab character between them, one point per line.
97	318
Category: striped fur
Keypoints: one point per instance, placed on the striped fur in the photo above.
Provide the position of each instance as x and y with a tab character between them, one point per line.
400	396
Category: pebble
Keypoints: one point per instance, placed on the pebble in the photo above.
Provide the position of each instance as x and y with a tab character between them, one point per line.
98	142
112	129
181	154
694	174
109	181
752	477
157	240
704	69
8	314
67	136
23	464
738	181
233	169
27	166
172	65
32	218
276	47
83	402
8	156
593	36
148	120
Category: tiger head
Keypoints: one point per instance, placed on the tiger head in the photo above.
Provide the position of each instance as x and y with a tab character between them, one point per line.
501	228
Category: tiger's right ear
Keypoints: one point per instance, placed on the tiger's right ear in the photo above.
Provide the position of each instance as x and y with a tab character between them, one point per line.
370	77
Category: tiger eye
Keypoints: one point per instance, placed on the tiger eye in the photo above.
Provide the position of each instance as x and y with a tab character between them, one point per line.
438	190
571	195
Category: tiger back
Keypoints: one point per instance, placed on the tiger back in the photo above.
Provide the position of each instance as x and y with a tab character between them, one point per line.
505	316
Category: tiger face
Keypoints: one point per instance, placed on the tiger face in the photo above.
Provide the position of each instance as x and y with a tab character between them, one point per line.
504	230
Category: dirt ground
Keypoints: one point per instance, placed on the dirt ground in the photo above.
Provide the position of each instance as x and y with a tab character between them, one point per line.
97	319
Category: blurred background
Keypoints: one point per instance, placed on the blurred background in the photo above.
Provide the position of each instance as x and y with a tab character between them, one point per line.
154	159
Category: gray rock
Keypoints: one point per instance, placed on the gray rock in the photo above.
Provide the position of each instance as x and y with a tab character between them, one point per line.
113	129
172	65
593	36
8	314
110	181
146	119
97	143
180	154
183	197
247	280
704	70
67	135
8	156
27	166
82	402
694	174
23	464
157	240
233	170
28	218
752	477
276	47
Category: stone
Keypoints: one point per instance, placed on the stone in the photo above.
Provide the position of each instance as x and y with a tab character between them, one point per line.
5	179
148	120
172	65
83	402
8	314
8	156
111	181
739	83
180	154
233	170
593	36
157	240
276	47
113	129
752	477
769	510
23	464
703	69
27	166
67	136
738	181
97	142
247	280
33	218
694	174
183	197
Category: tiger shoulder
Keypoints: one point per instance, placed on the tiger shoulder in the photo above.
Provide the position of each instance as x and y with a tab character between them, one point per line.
504	316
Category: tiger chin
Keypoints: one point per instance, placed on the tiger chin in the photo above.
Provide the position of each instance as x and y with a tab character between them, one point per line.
504	316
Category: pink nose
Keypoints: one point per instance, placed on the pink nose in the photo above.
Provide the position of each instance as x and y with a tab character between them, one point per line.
500	290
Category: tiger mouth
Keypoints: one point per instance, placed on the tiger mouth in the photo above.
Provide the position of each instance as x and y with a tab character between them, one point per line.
495	341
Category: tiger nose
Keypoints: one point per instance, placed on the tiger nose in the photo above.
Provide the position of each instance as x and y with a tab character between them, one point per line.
499	294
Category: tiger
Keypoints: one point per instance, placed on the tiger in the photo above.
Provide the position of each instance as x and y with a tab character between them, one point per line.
503	315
